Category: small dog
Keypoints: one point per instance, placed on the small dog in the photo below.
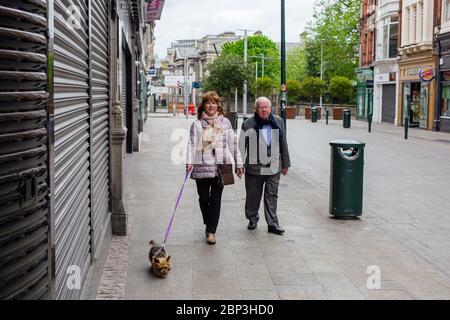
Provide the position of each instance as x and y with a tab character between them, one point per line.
159	260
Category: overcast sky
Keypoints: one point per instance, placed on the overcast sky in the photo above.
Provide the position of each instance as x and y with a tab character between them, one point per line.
193	19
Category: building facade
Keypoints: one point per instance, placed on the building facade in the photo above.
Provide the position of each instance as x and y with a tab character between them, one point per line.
442	121
385	64
69	116
416	64
364	73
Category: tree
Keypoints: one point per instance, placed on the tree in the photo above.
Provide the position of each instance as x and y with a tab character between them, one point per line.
263	87
227	73
293	91
335	28
296	64
257	46
312	87
340	88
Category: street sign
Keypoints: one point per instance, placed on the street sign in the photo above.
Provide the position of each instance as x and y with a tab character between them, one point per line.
173	81
196	84
151	71
283	87
158	90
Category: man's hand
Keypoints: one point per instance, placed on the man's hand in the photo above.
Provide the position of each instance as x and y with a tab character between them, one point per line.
284	171
240	172
189	167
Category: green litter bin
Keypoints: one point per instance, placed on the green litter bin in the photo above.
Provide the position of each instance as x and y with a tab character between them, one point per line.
233	117
314	114
346	178
347	114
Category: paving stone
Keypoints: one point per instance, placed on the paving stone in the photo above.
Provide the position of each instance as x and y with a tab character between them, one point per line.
318	257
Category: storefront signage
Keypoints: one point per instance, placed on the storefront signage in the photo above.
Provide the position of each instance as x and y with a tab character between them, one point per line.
446	75
382	77
426	73
413	71
154	9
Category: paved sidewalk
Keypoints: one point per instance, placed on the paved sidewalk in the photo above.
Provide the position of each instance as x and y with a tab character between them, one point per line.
317	258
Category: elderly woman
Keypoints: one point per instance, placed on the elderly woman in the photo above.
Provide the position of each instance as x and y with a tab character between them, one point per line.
212	142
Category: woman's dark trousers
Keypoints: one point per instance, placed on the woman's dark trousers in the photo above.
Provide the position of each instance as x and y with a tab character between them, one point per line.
210	197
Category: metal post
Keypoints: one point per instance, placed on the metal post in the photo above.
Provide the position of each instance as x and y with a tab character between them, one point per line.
262	65
244	97
185	87
321	71
283	66
326	115
370	115
236	100
406	126
256	71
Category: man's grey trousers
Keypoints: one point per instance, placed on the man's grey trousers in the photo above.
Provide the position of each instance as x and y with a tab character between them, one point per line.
254	185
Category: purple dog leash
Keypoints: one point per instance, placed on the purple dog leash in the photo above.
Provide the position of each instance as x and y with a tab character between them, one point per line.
175	208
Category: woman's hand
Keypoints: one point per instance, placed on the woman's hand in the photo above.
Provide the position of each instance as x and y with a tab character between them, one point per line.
240	172
189	167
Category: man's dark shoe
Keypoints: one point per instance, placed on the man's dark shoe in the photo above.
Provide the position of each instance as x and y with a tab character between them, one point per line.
252	225
275	229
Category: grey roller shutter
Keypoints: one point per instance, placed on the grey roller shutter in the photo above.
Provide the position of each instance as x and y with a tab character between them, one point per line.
24	209
126	96
123	89
388	103
72	157
100	120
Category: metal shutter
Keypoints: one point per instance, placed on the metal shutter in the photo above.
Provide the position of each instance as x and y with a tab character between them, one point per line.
388	103
123	89
126	97
24	208
72	157
100	114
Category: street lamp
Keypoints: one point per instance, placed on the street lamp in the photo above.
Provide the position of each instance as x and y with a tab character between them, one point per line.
283	66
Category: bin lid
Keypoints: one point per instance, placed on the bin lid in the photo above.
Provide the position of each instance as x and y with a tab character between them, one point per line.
347	143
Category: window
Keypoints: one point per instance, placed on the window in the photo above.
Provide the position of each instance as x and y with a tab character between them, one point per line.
446	10
393	39
389	38
445	106
412	39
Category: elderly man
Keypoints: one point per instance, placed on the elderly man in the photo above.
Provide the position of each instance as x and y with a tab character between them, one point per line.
263	142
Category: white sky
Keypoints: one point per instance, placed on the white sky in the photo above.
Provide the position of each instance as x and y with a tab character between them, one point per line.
193	19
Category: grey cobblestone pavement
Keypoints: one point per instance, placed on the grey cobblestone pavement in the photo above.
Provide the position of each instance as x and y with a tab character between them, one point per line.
404	230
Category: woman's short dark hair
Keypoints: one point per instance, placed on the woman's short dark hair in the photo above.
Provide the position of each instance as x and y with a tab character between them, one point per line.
210	96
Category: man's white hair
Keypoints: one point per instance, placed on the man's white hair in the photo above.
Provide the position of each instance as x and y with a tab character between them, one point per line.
262	100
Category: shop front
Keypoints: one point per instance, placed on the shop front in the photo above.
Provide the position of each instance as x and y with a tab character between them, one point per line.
417	87
443	78
364	92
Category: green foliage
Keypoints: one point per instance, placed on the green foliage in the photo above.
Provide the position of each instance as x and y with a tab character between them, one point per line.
257	46
340	88
293	91
296	64
227	73
263	87
312	87
335	29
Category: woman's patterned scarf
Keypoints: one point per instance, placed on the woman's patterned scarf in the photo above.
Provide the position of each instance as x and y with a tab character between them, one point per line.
212	128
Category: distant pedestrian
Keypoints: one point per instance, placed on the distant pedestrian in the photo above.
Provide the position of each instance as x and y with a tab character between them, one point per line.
212	142
264	145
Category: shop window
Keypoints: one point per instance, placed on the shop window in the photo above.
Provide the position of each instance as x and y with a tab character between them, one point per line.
445	107
446	11
389	38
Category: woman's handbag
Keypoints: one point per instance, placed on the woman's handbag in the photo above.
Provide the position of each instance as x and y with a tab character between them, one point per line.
226	176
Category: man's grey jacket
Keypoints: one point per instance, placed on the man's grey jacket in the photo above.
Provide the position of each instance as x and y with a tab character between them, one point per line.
261	159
